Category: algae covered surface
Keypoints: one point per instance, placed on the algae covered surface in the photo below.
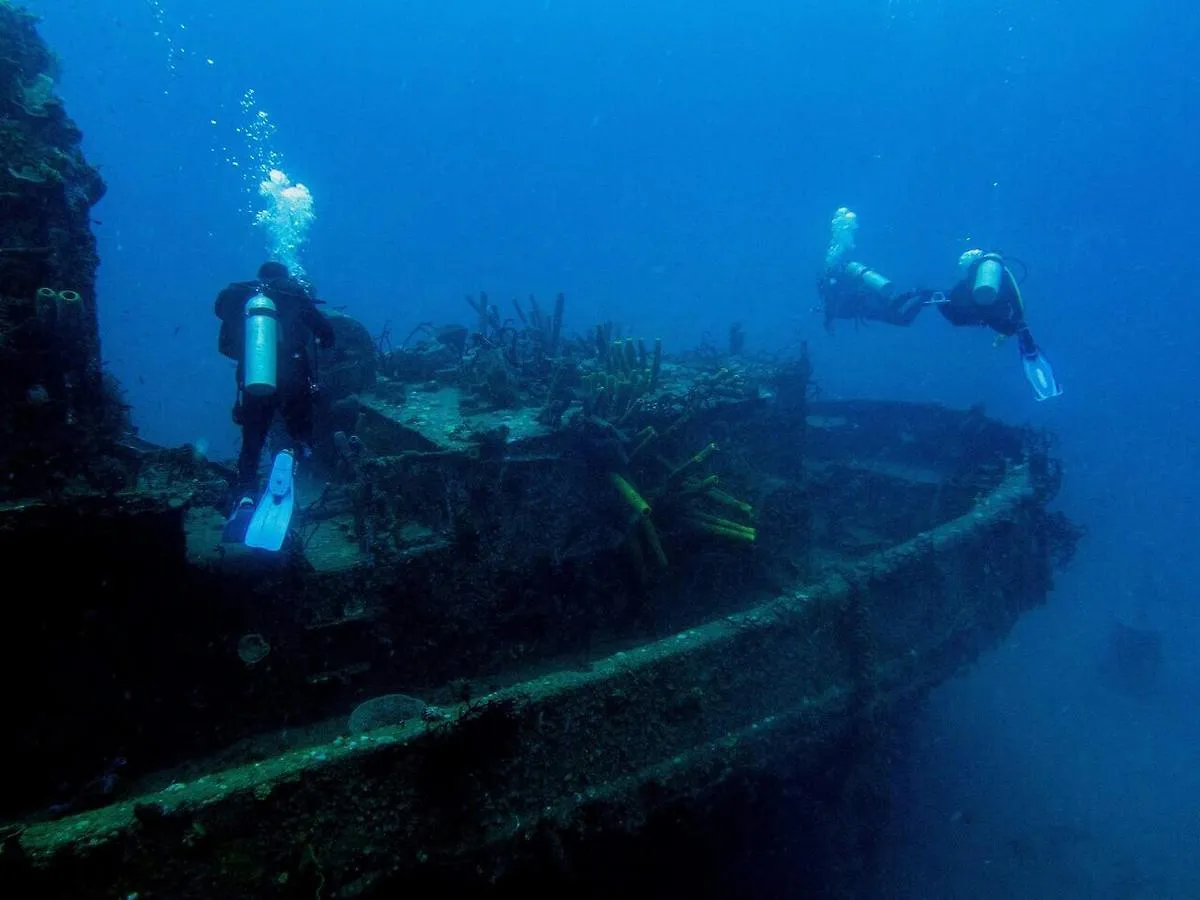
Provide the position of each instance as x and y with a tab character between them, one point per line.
60	412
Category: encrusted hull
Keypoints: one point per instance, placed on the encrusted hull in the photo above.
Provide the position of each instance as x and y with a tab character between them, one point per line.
552	761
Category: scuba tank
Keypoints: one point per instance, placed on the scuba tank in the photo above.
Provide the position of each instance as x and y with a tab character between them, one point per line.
262	346
869	279
989	276
987	272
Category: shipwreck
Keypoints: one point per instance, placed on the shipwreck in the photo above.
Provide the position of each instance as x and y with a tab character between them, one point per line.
560	607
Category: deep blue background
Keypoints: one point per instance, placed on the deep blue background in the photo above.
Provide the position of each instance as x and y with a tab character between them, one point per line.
674	166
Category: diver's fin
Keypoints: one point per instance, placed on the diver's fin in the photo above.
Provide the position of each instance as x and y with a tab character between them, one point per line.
1040	376
238	522
270	524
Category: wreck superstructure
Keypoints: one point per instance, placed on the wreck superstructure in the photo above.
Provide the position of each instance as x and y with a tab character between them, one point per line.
581	642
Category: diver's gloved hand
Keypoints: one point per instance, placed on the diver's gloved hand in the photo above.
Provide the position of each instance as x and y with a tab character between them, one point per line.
905	307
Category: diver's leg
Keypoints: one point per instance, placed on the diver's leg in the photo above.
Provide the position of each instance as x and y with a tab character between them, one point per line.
256	415
1026	342
1038	371
297	409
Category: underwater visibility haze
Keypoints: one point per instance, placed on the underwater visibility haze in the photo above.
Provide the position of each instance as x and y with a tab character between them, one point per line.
643	333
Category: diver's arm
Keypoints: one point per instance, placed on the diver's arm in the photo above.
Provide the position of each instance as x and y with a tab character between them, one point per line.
307	312
903	308
317	323
232	300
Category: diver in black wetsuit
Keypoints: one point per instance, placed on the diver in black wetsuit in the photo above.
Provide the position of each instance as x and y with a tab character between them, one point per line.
279	364
987	294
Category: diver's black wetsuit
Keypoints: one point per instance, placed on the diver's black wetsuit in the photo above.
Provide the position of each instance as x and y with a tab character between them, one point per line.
844	297
299	319
1005	315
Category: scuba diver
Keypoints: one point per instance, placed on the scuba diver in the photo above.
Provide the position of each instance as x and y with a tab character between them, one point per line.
986	294
266	325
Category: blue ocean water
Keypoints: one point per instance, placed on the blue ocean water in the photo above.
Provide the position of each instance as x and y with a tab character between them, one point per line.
674	166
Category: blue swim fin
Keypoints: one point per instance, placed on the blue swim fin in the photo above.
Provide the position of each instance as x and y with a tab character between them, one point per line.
271	519
1040	376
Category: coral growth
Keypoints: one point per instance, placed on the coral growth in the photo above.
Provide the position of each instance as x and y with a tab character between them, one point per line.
59	412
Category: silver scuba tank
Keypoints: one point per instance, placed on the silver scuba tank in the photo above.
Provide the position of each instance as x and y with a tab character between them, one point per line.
870	278
262	346
989	276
